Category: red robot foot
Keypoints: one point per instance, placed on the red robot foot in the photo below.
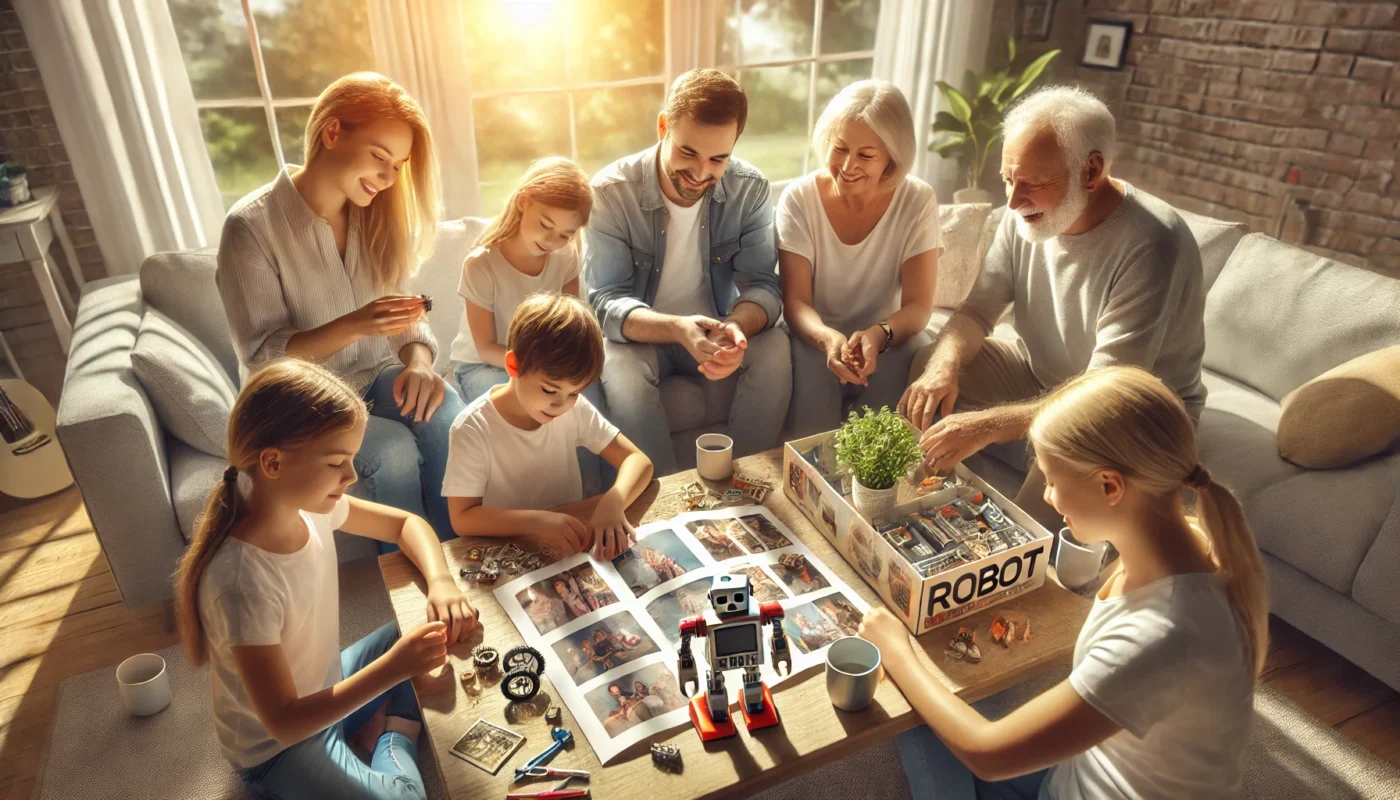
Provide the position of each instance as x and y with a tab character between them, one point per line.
766	718
705	725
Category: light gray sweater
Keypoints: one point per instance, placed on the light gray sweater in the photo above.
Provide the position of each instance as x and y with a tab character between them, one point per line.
1127	292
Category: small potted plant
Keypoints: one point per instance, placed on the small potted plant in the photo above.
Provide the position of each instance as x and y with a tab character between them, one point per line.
878	448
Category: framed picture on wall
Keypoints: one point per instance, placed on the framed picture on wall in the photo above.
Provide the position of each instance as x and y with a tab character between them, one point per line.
1106	45
1033	19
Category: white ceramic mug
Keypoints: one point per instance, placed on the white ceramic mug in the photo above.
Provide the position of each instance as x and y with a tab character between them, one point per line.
852	673
1077	564
714	456
144	684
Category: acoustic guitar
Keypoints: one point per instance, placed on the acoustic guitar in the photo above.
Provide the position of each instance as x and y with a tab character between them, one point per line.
31	460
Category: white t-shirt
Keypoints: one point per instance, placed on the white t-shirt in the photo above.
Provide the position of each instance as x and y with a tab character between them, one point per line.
489	281
1165	662
855	286
249	596
682	289
507	467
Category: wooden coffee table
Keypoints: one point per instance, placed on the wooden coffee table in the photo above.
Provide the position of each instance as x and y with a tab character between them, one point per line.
813	732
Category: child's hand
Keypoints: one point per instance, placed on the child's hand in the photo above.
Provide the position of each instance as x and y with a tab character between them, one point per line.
422	649
886	632
611	531
561	532
447	604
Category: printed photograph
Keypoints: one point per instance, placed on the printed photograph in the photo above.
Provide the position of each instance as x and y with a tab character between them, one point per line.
743	535
566	596
798	574
901	588
602	646
686	600
763	588
635	698
860	550
808	629
829	520
795	481
841	611
487	746
766	532
654	560
711	536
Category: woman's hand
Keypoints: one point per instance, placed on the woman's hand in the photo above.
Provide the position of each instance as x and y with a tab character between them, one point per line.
447	604
418	391
863	352
611	531
835	346
387	316
887	633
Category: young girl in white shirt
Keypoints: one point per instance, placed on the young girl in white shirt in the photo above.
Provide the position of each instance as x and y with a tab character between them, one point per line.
257	598
1160	696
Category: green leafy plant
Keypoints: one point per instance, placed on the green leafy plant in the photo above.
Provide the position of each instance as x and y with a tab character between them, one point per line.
972	125
878	448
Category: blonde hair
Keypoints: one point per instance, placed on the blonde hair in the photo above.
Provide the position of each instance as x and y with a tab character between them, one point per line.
881	106
285	404
558	335
401	223
1082	124
1127	420
554	181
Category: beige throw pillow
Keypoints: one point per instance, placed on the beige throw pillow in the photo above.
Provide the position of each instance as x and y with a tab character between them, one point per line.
1347	414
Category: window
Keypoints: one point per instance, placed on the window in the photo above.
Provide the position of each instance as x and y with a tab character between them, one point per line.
791	57
251	130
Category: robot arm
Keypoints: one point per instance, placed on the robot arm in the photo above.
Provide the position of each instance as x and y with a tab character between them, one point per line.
686	672
772	613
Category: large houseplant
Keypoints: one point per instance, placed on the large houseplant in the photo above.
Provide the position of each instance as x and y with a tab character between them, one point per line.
971	126
878	448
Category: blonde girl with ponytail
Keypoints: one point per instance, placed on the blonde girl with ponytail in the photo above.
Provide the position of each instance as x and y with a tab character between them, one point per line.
257	599
1160	696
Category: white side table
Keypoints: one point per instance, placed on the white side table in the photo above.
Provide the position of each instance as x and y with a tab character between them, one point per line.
25	235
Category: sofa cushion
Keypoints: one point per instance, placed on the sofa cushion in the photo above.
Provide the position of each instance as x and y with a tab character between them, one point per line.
1235	438
440	275
1216	240
182	286
190	391
967	230
1379	573
1278	316
1347	414
193	474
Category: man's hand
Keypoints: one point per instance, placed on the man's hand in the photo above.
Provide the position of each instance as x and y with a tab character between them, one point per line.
931	395
954	438
732	343
560	532
418	391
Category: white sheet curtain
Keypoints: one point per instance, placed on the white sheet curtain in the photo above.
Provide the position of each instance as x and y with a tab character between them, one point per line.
122	101
921	42
421	44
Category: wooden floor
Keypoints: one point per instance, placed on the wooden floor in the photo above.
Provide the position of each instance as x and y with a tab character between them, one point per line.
61	615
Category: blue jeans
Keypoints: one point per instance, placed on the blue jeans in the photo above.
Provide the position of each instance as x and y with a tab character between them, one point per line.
474	380
325	766
401	463
934	773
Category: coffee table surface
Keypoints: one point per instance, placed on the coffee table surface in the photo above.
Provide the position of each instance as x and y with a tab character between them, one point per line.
812	733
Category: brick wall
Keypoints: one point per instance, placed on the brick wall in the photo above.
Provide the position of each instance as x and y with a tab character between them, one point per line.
29	135
1220	99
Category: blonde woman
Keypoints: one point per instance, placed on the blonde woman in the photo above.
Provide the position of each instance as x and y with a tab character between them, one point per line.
1160	698
858	245
313	264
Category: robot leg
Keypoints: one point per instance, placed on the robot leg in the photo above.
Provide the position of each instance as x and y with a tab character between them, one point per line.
753	690
717	697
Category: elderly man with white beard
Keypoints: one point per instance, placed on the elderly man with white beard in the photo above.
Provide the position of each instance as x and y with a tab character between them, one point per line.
1096	273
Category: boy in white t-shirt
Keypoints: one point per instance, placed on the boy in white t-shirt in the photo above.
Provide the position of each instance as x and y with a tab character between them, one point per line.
511	456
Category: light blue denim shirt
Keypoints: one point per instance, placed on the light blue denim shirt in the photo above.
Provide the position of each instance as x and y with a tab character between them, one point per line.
626	241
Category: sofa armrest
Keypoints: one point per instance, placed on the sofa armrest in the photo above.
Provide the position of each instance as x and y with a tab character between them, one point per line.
115	445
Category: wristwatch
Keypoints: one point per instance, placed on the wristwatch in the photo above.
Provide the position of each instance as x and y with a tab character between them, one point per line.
889	336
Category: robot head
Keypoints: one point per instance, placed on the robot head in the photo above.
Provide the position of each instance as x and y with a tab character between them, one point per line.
729	594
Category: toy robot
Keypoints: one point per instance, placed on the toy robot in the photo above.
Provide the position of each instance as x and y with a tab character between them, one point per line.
734	640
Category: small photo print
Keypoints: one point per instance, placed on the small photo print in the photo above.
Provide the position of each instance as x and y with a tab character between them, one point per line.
743	535
901	588
686	600
798	574
602	646
829	520
636	697
487	746
654	560
860	550
763	588
711	536
795	481
565	596
765	531
816	624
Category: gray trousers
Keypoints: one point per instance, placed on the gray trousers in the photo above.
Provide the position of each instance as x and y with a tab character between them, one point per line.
818	397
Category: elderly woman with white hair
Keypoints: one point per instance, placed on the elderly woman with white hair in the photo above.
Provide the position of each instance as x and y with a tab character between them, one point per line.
858	245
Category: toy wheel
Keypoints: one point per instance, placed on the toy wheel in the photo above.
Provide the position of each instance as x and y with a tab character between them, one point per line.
523	657
520	685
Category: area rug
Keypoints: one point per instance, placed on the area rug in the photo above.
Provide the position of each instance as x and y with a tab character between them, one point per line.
99	752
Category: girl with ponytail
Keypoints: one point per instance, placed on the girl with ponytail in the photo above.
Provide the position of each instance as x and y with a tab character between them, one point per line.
1160	697
257	599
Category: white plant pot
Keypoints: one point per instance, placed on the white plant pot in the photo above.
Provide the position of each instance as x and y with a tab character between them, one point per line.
872	502
972	196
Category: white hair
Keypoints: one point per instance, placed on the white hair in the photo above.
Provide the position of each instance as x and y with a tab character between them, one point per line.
1080	120
882	107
